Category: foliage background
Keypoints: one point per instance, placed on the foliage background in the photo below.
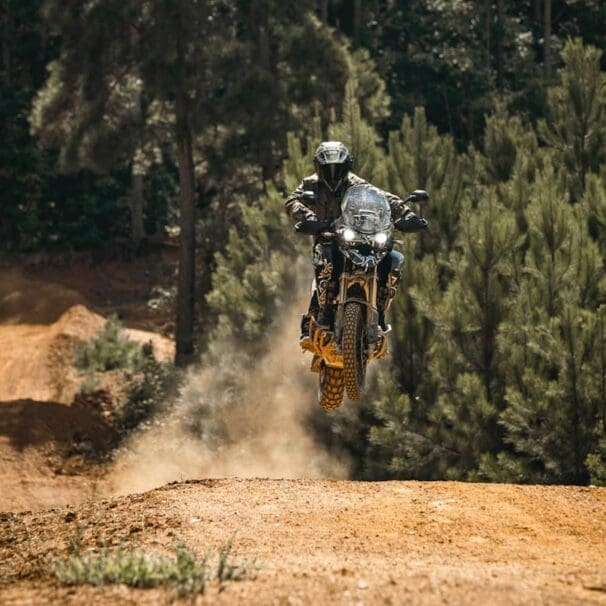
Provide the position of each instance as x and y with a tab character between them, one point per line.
498	362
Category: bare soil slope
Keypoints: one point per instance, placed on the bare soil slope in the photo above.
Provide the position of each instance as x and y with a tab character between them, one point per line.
321	542
40	323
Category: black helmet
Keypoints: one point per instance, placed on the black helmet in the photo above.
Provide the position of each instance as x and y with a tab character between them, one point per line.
332	161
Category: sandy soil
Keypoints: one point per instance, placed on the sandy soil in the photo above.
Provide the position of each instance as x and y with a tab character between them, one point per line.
40	323
321	542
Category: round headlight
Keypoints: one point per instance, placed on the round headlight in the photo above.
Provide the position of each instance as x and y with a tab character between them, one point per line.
348	234
381	238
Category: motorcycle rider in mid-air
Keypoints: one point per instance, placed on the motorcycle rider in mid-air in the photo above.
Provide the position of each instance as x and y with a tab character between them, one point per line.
333	177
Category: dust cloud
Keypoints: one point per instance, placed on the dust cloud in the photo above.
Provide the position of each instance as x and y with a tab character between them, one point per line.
234	419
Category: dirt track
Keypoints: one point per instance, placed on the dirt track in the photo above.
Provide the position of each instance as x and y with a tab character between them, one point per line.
322	542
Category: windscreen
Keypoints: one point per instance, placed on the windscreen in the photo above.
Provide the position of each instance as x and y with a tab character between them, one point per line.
365	209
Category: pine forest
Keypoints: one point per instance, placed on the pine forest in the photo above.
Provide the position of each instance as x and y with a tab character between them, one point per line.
123	122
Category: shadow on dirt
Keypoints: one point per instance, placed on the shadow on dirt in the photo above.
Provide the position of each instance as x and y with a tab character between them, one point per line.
30	423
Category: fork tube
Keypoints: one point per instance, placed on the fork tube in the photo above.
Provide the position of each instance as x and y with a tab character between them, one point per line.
372	315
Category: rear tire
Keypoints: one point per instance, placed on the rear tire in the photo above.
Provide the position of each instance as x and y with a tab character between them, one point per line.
330	393
354	354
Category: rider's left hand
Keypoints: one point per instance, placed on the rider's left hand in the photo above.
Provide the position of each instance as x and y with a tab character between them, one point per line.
410	223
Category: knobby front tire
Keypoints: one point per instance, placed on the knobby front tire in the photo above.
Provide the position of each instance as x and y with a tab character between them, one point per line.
354	355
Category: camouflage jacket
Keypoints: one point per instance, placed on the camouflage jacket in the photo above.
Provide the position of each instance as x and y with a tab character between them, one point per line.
327	206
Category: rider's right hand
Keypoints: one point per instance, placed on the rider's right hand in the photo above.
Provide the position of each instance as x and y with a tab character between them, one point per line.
312	227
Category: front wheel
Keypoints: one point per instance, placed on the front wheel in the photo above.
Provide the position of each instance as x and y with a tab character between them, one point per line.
354	351
330	392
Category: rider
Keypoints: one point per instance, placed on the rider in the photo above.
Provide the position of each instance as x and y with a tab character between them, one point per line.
333	176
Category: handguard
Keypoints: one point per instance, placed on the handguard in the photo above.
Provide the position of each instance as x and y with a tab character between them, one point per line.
411	223
312	227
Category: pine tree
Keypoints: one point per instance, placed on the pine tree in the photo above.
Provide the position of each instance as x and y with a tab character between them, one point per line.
421	158
575	127
550	421
549	347
399	448
595	197
507	140
112	54
399	404
258	272
463	357
360	137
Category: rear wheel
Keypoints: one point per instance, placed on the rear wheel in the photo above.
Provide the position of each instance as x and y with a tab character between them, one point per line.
354	351
330	393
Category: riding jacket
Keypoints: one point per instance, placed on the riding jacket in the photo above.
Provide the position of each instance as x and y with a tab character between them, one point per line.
327	204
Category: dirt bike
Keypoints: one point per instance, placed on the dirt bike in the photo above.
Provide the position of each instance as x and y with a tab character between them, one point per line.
363	234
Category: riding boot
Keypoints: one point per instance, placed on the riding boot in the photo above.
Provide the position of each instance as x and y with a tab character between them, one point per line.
326	317
386	295
304	326
381	307
312	312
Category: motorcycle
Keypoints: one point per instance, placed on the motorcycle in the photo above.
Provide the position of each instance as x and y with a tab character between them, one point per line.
364	236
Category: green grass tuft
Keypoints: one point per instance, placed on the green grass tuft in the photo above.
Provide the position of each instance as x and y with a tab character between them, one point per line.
185	572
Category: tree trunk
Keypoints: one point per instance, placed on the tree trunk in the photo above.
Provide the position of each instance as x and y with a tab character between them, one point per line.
258	19
500	38
187	249
487	30
547	41
7	43
357	21
137	204
536	11
603	369
324	11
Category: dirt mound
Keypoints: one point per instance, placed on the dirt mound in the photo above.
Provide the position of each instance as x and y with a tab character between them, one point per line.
35	438
36	359
322	542
40	323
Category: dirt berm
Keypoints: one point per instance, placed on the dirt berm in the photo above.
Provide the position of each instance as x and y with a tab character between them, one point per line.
40	323
325	542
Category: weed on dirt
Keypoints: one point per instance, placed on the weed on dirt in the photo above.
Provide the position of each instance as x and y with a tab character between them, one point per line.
185	572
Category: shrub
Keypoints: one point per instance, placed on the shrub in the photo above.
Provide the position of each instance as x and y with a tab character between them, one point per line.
145	394
109	349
